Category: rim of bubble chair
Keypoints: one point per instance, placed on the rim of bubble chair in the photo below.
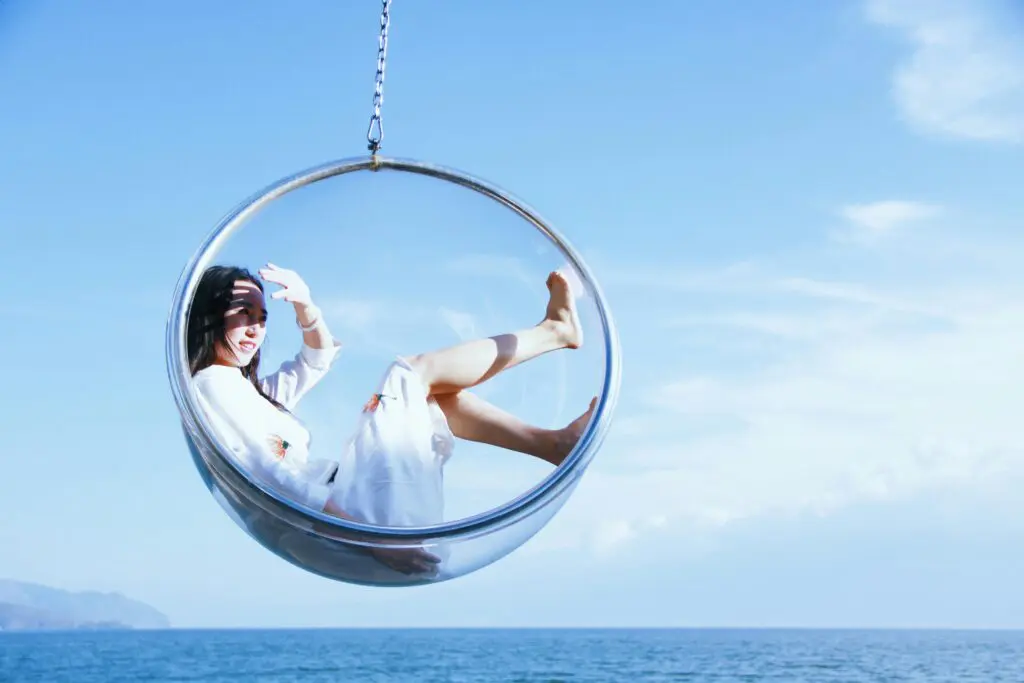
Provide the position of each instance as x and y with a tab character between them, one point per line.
228	472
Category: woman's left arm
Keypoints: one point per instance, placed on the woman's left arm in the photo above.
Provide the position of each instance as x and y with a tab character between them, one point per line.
319	348
308	315
315	333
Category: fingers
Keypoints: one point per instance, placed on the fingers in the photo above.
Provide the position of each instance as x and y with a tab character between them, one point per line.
422	568
418	566
427	557
277	271
279	276
401	565
408	567
408	560
272	271
294	289
275	276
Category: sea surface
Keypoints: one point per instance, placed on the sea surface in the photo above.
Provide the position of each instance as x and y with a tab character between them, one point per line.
527	655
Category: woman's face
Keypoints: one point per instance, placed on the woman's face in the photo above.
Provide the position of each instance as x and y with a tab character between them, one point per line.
245	325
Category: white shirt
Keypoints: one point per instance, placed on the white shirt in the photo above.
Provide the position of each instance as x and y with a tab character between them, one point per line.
269	444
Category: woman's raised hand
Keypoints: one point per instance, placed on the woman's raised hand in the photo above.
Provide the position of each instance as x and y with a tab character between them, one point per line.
295	290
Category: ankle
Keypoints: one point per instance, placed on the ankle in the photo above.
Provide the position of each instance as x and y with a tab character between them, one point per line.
556	446
553	332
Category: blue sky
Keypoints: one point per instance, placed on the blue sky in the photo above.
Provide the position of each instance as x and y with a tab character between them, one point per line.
805	216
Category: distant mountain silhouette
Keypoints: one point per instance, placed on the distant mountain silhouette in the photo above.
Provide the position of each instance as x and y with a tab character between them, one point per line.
30	606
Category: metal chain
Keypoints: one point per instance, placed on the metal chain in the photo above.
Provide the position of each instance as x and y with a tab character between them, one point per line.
375	133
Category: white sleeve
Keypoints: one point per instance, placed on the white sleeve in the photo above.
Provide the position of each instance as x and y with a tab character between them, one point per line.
238	429
298	375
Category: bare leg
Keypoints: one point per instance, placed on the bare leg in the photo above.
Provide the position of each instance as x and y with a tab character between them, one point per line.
474	419
465	365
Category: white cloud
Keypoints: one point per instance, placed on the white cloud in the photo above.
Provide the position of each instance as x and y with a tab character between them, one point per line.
869	222
532	275
736	277
491	265
965	75
845	292
353	313
463	324
817	393
870	392
393	320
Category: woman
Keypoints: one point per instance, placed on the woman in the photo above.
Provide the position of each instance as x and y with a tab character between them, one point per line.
390	472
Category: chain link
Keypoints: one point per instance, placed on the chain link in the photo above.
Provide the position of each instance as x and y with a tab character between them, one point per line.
375	133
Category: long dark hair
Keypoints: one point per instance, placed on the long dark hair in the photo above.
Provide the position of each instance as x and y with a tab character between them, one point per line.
211	302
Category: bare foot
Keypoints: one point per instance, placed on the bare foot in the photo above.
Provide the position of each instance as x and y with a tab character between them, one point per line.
561	314
564	440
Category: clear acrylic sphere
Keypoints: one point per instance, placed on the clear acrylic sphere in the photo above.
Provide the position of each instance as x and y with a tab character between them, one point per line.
405	258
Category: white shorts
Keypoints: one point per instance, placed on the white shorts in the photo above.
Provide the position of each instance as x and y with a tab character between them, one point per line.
391	471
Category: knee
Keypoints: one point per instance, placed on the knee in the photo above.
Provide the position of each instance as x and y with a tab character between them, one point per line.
451	398
446	402
452	407
420	366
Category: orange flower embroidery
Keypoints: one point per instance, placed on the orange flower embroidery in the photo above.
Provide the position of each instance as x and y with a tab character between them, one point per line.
374	403
278	446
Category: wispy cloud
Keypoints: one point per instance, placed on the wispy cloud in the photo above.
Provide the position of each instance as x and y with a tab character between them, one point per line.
858	294
867	223
851	421
532	275
826	382
493	265
463	324
354	313
965	75
873	390
391	323
734	277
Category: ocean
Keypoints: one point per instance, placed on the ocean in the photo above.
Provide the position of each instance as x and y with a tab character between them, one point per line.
514	655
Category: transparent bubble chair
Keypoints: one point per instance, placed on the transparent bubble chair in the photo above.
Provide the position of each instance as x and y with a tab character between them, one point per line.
408	382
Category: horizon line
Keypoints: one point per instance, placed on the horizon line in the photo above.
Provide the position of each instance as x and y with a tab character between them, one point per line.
1007	629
